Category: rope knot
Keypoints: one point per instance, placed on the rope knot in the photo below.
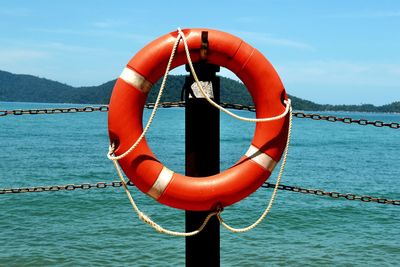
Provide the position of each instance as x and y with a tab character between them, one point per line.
110	153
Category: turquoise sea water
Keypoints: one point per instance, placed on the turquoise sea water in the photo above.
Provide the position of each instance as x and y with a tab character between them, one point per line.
98	227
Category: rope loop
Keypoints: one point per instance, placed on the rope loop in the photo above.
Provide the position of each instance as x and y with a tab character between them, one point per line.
142	216
274	193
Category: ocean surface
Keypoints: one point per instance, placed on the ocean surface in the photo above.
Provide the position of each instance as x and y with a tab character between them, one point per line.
98	227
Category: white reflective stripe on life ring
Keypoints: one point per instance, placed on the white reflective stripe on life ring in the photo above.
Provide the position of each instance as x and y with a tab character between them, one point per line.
161	183
136	80
261	158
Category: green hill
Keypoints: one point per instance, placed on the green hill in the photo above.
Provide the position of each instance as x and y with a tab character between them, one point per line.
29	88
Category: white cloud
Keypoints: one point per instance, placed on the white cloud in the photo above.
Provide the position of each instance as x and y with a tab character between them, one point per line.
15	12
34	49
18	56
266	39
108	23
384	14
367	14
56	46
249	20
394	69
344	73
100	32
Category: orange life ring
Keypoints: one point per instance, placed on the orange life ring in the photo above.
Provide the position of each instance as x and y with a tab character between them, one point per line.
174	189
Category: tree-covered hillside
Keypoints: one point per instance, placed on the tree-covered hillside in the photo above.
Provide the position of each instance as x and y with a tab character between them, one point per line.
29	88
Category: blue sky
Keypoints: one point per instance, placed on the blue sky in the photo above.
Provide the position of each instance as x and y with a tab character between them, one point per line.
344	51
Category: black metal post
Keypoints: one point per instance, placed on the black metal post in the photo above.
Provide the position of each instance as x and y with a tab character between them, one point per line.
202	159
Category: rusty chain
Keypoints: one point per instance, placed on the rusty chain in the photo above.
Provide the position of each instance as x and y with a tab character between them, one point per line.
347	120
104	108
67	187
333	194
86	186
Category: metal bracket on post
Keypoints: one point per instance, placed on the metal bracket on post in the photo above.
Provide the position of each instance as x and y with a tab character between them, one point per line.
204	45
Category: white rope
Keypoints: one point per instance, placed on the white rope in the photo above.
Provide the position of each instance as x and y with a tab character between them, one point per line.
205	95
115	159
274	193
149	221
153	113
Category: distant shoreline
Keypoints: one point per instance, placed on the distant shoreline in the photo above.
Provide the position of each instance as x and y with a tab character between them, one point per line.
29	88
98	104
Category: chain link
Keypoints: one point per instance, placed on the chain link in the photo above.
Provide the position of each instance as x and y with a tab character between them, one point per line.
301	115
319	192
103	108
86	186
68	187
175	104
347	120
